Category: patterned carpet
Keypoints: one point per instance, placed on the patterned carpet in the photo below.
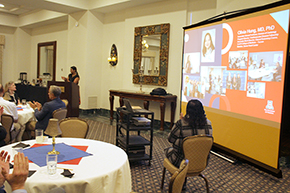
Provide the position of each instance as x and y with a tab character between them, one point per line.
222	175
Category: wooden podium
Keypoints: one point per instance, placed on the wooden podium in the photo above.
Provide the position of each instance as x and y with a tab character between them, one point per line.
70	92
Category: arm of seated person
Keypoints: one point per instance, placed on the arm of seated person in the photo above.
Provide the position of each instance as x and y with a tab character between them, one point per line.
39	115
173	136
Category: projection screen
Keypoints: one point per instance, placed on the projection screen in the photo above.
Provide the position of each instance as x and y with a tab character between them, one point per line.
236	68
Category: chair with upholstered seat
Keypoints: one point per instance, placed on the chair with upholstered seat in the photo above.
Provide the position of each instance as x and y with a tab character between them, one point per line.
196	149
7	122
65	101
178	178
29	132
73	127
59	114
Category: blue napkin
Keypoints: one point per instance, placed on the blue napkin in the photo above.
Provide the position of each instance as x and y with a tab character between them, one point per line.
38	154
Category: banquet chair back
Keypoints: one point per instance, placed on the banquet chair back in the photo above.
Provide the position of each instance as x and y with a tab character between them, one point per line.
65	102
73	127
196	149
59	114
178	178
7	122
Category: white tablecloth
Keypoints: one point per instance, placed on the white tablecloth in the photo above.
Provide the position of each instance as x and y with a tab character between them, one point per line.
106	171
25	115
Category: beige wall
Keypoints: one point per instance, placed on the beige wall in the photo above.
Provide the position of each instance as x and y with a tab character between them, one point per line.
59	34
85	40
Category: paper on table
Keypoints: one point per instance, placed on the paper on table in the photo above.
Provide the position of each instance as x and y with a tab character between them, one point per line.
20	144
66	152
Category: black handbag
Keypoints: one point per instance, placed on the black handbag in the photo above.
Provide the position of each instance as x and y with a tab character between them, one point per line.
158	91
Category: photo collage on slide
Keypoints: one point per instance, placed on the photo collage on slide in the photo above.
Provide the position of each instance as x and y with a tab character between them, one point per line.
263	67
239	61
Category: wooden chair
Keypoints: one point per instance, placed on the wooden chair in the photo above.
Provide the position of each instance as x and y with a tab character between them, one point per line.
196	150
73	127
59	113
7	122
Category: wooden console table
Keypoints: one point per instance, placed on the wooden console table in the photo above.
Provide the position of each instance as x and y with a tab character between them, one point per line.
146	97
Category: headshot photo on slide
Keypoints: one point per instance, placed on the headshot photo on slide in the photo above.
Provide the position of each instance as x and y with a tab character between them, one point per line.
208	46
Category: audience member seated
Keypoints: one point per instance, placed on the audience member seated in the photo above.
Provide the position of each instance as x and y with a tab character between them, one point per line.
10	93
10	108
44	113
3	131
194	123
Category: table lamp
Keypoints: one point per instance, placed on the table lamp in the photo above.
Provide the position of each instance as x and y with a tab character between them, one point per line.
53	130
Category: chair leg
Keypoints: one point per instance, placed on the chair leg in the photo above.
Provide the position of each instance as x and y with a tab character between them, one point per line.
206	182
162	181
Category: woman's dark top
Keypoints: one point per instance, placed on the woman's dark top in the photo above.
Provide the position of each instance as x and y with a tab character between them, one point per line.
14	98
72	78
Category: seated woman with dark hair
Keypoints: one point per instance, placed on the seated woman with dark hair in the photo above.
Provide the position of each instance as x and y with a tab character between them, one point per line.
194	123
10	94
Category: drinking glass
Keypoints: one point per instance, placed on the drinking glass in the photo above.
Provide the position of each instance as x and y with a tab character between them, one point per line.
51	162
39	135
23	101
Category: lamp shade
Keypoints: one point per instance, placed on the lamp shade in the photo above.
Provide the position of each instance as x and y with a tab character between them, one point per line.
53	128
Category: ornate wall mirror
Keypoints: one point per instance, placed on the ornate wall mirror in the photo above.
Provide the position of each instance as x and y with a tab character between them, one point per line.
151	49
46	60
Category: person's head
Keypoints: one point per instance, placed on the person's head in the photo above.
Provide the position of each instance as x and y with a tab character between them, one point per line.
10	87
277	64
54	92
207	43
195	114
73	69
1	90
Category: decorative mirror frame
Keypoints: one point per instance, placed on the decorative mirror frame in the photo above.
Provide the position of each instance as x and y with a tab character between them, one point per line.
163	30
39	45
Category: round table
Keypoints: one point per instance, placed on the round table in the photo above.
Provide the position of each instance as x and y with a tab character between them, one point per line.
107	170
25	114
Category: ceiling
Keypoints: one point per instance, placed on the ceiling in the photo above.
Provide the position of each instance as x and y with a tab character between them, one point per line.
20	7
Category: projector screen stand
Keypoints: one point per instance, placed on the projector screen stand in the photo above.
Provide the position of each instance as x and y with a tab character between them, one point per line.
223	157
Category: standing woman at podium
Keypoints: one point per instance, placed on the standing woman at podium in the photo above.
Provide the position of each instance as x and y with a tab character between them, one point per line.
73	76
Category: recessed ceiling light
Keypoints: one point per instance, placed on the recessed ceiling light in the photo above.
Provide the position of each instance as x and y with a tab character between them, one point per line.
1	5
